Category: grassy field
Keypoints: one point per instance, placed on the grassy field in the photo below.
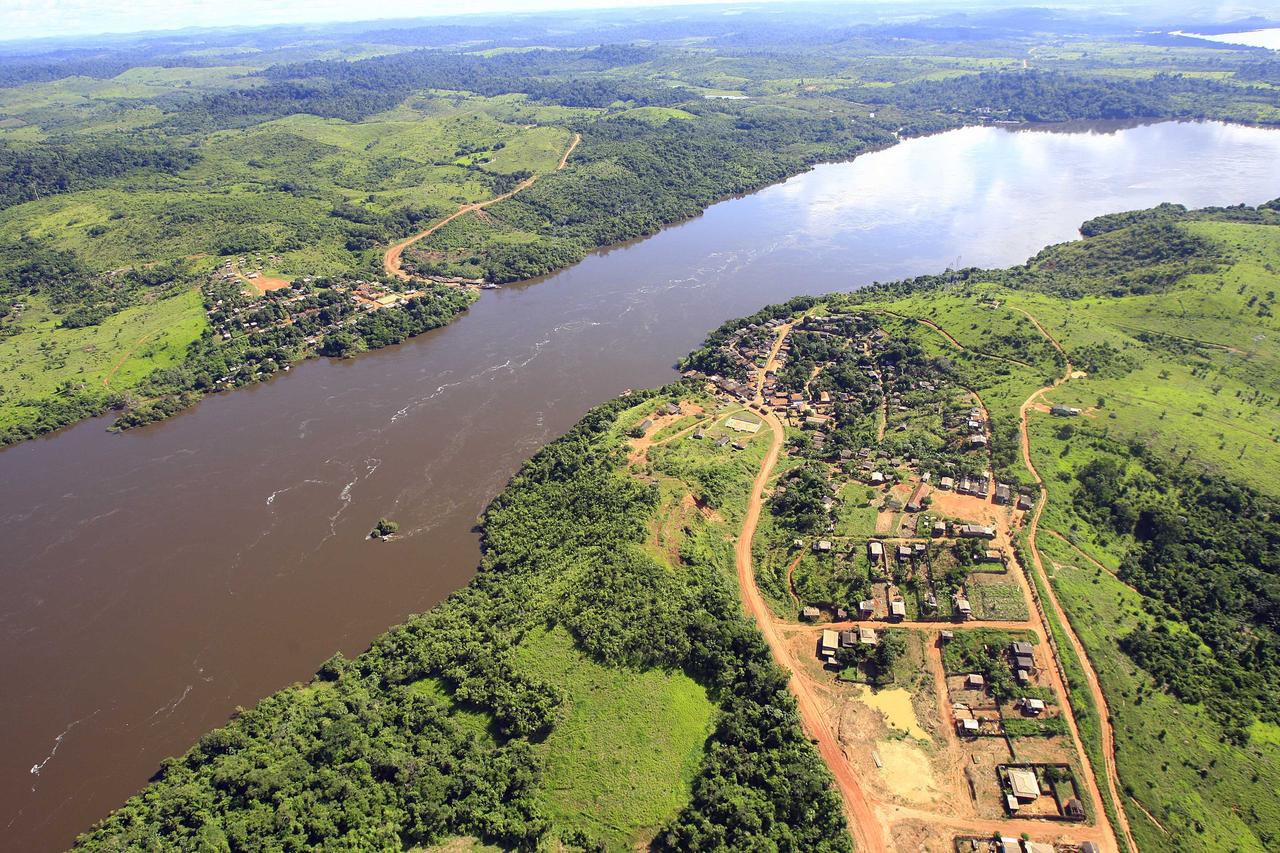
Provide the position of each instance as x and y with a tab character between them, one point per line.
622	756
111	356
1178	768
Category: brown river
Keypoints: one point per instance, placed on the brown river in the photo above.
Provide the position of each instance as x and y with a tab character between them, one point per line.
151	582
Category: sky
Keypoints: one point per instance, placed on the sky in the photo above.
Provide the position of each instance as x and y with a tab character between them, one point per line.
20	19
25	19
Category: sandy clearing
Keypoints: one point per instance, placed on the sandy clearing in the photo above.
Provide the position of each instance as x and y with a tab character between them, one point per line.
907	771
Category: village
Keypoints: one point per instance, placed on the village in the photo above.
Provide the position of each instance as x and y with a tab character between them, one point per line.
259	309
891	567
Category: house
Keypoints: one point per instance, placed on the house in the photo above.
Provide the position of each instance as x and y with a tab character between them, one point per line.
1023	677
877	477
975	531
1024	784
968	726
1032	707
975	681
1037	847
867	608
1064	411
722	441
964	608
1021	648
742	425
699	435
1025	502
867	636
1073	809
815	422
1026	662
848	638
1009	845
738	445
916	501
875	550
898	609
977	440
939	529
993	555
671	409
946	636
1011	803
645	425
810	614
904	553
1003	493
823	545
946	483
1090	847
830	642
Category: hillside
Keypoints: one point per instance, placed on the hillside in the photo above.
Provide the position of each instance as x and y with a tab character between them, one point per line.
597	683
146	186
1134	372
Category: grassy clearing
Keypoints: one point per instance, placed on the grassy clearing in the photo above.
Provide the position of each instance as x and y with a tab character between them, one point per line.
1171	756
623	754
125	347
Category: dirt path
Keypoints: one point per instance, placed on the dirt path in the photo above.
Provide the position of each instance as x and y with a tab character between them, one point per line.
1201	341
955	343
867	832
106	380
791	587
1091	677
564	161
391	261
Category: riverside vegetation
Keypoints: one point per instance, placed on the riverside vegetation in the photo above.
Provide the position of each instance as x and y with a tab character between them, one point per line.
134	171
597	684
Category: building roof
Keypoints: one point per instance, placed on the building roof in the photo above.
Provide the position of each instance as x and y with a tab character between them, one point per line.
1023	783
830	638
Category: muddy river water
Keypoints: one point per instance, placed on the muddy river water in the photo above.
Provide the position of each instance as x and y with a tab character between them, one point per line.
153	581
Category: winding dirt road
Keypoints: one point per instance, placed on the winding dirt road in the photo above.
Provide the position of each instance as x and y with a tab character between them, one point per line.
866	830
391	260
1091	677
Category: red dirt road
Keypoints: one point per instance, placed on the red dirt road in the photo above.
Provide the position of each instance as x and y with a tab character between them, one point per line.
866	830
1037	565
391	264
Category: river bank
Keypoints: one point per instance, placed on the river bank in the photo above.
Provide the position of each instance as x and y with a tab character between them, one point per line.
126	641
